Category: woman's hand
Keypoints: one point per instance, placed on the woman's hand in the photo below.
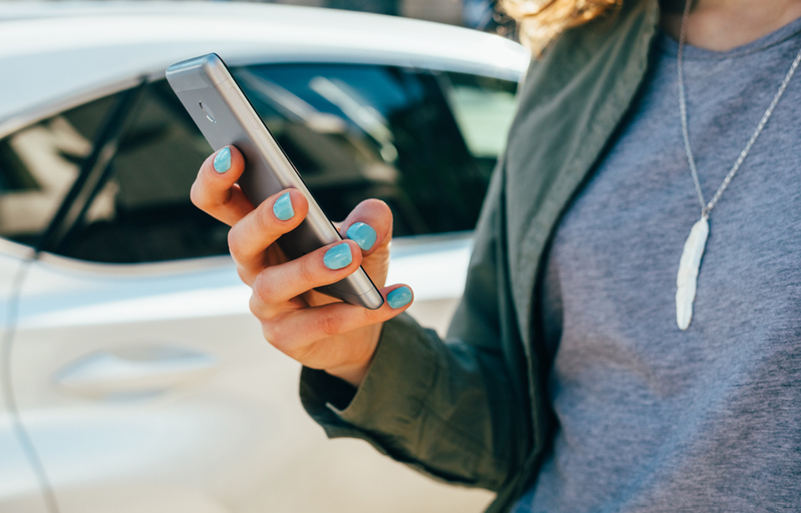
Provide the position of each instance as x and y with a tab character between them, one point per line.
318	331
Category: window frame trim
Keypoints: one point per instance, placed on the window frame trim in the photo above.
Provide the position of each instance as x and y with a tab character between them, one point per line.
20	120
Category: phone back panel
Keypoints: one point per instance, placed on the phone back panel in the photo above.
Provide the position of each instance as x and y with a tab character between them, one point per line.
225	117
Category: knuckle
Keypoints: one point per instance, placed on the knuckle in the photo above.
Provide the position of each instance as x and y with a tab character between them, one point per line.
270	332
255	305
329	324
235	242
263	289
305	270
300	353
278	337
198	197
244	275
379	207
374	203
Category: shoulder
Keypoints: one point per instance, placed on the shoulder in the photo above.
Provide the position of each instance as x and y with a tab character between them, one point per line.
614	40
572	100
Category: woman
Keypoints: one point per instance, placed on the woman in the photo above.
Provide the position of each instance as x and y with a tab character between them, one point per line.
590	366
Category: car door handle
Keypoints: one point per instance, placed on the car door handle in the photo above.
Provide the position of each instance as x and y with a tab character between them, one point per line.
134	371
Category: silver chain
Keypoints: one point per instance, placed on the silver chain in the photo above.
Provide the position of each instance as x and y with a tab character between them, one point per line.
706	208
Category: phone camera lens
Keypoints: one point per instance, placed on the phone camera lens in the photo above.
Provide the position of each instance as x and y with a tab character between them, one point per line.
207	111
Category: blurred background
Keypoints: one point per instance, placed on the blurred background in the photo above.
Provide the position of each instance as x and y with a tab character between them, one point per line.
477	14
134	378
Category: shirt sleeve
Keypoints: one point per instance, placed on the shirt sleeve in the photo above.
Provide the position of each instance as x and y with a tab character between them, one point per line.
445	407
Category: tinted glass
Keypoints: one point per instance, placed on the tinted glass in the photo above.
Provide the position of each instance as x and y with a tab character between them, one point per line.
147	215
411	138
38	166
483	108
356	132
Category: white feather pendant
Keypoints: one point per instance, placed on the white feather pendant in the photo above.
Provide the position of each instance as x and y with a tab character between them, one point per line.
687	279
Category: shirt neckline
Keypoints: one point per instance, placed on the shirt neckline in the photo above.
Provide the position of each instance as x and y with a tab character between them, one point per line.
667	44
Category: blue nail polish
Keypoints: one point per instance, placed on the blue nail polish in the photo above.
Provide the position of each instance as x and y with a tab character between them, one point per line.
282	208
362	234
399	297
338	257
222	162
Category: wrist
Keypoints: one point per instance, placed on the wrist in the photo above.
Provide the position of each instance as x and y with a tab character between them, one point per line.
353	375
355	371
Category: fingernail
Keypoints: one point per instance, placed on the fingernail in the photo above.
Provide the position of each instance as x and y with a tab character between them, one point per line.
222	162
282	208
362	234
338	257
399	297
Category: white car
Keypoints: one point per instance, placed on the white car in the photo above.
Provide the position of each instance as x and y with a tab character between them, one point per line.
134	377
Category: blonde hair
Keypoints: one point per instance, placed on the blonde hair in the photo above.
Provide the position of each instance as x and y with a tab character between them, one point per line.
540	21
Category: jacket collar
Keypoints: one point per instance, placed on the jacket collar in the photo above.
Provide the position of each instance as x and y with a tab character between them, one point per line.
571	103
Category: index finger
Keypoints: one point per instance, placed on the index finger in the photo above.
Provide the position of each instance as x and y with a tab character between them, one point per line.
215	190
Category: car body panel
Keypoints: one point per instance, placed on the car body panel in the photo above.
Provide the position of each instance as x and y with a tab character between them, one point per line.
142	436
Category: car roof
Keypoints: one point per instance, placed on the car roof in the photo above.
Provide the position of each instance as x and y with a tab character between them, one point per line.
56	53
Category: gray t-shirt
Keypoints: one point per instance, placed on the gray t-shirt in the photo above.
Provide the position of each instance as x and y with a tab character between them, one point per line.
651	418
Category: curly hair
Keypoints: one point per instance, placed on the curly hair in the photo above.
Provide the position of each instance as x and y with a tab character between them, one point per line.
540	21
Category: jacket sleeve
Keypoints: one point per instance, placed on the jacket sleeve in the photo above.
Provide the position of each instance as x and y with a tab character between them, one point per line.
447	408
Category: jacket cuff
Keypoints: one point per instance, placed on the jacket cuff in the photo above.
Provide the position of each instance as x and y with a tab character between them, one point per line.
392	393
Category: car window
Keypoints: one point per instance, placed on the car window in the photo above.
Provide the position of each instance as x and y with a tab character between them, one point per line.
149	217
483	108
410	137
39	163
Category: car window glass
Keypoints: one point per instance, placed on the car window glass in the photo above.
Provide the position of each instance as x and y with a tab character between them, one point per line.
39	163
148	215
483	108
353	131
371	131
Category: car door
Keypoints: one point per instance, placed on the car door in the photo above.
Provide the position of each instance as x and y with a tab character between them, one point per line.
142	378
27	202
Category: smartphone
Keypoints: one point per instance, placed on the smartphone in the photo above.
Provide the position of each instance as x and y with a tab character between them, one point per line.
225	116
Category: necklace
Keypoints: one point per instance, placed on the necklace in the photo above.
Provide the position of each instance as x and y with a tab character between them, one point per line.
690	263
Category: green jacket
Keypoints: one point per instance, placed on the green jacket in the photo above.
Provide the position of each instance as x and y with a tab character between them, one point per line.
472	409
